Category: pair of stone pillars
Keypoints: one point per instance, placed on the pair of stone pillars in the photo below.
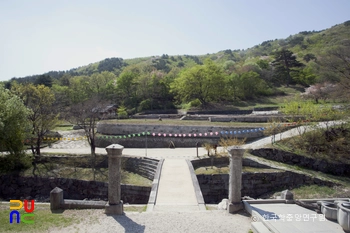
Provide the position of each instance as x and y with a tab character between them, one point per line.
235	181
115	204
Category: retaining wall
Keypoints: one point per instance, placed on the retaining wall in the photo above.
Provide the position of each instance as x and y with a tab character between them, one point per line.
15	187
215	187
143	166
164	142
311	163
224	161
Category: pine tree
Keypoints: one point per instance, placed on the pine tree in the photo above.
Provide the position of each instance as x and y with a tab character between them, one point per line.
285	64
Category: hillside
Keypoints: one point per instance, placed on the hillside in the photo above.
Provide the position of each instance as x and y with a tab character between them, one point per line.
226	77
306	42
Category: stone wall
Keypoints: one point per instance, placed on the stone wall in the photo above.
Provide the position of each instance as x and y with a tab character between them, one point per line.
125	129
237	118
311	163
224	161
143	166
14	187
164	142
215	187
156	142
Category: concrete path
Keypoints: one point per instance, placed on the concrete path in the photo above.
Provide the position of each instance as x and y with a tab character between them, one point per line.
289	133
290	218
175	190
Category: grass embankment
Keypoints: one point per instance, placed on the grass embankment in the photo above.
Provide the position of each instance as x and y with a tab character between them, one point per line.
311	191
71	172
331	144
225	170
178	122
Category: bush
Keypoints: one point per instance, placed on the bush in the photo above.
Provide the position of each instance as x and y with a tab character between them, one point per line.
330	143
122	113
195	103
15	163
145	105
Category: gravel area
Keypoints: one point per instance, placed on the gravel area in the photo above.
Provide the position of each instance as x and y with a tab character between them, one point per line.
206	221
71	144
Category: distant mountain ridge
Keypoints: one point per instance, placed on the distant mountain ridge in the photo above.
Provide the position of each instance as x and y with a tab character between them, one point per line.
306	45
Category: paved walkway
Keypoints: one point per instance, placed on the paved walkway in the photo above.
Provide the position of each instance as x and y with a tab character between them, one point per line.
289	133
175	190
291	218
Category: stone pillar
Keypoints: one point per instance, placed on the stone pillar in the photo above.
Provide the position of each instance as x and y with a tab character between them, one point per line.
235	182
56	199
114	205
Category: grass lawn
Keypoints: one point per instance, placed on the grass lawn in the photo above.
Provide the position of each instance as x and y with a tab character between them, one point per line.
63	128
71	172
43	220
180	122
225	170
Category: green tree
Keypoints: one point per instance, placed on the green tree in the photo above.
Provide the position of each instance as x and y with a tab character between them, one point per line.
305	76
234	86
335	67
43	80
126	87
285	63
203	82
252	85
43	117
153	90
13	122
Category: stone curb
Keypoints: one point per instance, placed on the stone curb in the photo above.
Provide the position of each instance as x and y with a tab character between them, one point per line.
154	191
197	189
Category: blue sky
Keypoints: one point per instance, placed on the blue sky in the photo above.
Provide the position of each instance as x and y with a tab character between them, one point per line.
40	36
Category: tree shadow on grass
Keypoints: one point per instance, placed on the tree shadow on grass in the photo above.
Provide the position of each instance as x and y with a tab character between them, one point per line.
129	225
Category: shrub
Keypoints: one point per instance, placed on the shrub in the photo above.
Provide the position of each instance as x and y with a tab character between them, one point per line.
195	103
122	113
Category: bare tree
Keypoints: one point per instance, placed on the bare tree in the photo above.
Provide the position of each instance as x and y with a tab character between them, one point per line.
86	115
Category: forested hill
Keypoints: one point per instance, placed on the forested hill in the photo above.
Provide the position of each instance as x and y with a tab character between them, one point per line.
160	81
305	45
